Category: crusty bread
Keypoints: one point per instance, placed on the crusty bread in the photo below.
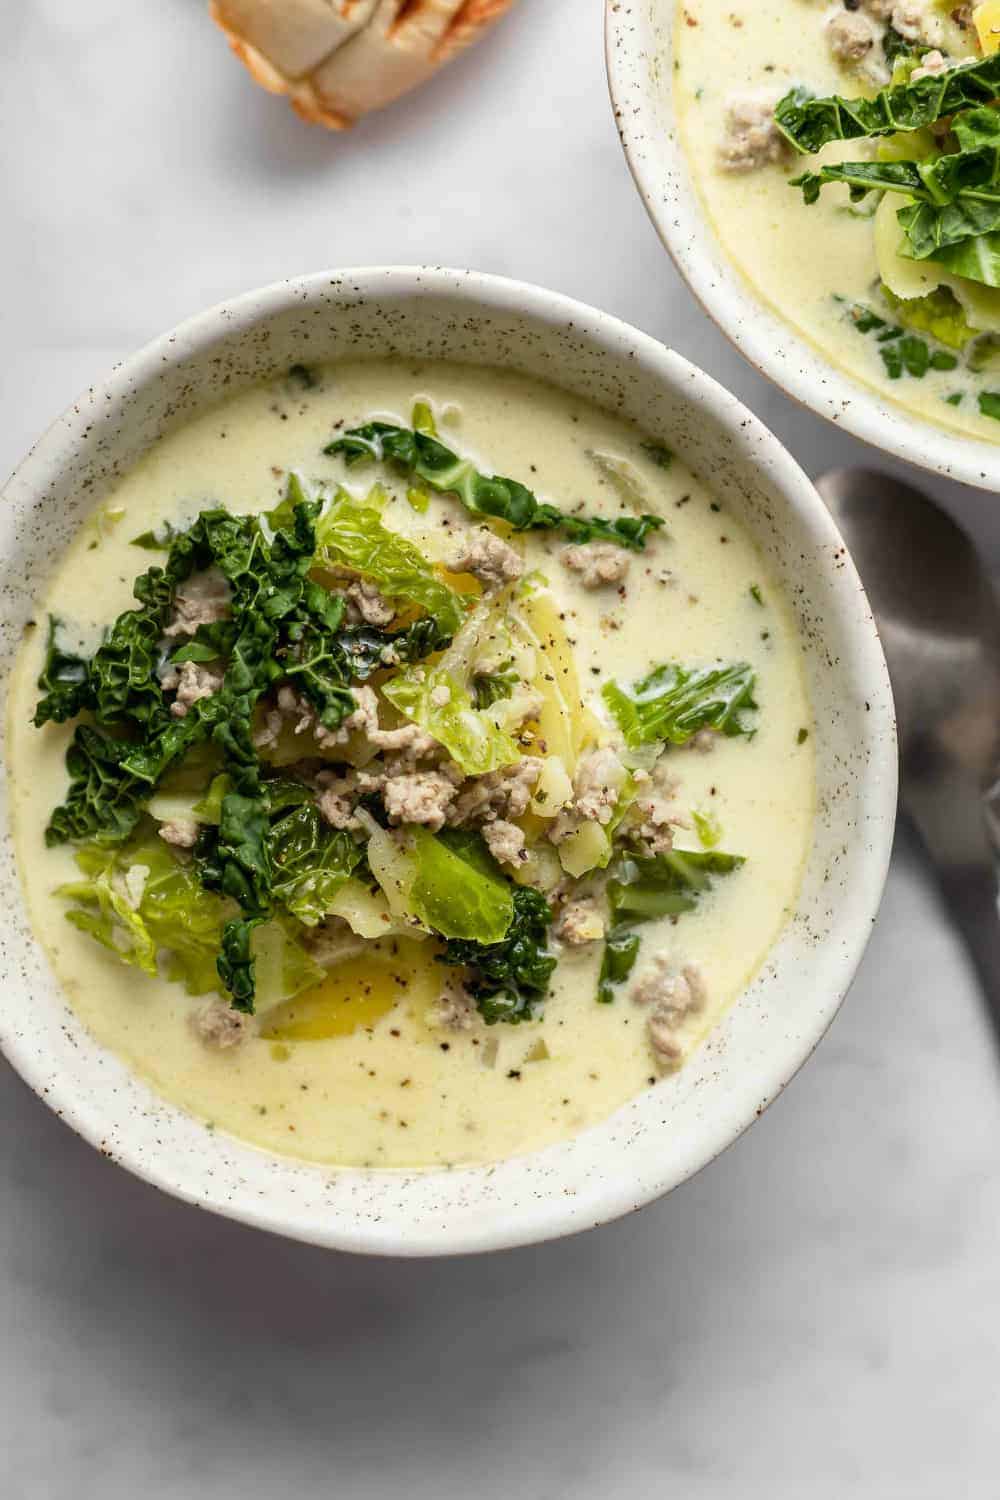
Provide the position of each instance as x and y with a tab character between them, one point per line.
291	36
338	59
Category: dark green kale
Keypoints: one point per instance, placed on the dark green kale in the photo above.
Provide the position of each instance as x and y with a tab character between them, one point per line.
212	642
661	456
904	352
621	949
913	356
493	687
105	801
369	650
896	46
309	860
809	123
427	459
953	212
282	627
509	980
641	889
159	539
64	681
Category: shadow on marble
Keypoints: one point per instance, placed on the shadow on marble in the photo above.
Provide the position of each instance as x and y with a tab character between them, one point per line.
843	1245
268	140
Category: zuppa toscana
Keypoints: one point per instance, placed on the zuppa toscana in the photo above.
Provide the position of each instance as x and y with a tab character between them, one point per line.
847	154
383	811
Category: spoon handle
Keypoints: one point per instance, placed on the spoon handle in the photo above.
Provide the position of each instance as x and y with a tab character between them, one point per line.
972	896
966	867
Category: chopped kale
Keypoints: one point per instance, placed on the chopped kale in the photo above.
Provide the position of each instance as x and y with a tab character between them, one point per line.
673	703
809	123
283	627
427	459
509	980
642	889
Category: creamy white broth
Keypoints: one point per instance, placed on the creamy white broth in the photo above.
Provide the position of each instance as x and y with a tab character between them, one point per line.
393	1089
801	258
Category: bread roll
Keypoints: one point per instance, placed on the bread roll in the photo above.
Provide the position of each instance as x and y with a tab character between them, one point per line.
336	60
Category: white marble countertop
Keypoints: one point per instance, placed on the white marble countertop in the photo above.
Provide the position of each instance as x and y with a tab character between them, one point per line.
819	1312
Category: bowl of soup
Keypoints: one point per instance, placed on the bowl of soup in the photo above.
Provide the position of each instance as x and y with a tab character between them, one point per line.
449	764
807	168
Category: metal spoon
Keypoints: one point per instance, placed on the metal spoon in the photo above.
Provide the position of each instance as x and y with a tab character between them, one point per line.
938	617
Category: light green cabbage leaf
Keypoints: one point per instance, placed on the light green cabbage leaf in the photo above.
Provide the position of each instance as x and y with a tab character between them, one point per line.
473	737
140	900
350	533
446	882
147	906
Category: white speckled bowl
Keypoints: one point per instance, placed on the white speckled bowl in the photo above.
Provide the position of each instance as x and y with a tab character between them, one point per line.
639	47
659	1139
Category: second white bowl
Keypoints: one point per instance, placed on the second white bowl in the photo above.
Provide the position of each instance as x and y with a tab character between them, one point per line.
639	42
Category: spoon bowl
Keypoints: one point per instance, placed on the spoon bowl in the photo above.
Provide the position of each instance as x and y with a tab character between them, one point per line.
939	620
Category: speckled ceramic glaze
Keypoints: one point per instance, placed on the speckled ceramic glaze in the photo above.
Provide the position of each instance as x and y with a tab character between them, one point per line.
639	46
670	1131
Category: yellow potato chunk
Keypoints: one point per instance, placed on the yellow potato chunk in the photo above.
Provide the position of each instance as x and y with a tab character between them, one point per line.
987	22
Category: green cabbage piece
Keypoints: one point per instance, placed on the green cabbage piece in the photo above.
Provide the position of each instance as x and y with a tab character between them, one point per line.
457	888
939	314
470	735
447	883
673	703
352	535
176	928
310	862
174	915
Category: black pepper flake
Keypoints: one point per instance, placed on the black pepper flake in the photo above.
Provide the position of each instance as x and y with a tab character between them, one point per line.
514	1073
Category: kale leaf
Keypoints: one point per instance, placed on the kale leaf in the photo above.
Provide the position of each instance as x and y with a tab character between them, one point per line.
436	466
809	123
510	979
493	687
104	802
672	703
642	889
309	860
64	680
283	626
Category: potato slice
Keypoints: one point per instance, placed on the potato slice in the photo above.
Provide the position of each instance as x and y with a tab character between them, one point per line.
987	23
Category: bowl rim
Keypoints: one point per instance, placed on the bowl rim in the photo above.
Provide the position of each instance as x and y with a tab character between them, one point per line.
620	1193
774	347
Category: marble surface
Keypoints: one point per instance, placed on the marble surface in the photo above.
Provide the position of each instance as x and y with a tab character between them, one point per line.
816	1314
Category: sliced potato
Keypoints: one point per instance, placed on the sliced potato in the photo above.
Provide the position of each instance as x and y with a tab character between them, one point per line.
987	22
564	724
916	278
